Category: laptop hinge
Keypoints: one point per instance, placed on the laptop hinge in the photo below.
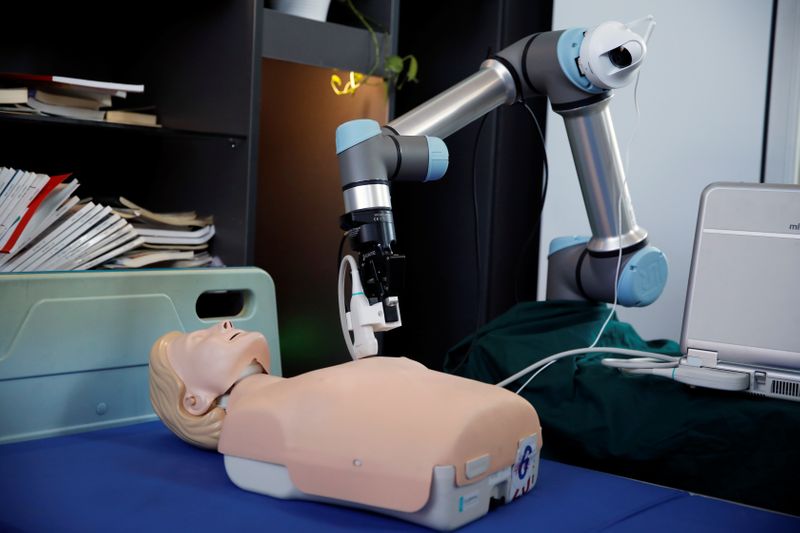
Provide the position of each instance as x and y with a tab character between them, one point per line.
695	357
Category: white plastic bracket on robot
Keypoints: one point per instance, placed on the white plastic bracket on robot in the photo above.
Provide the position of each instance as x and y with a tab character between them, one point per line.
364	319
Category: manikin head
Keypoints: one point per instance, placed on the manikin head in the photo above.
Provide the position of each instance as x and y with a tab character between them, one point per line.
189	372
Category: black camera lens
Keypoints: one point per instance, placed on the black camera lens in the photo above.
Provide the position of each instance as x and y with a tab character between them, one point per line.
620	57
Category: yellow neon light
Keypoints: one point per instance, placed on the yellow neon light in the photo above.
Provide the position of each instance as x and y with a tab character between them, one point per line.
353	83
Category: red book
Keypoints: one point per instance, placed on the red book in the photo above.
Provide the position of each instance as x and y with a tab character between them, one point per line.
37	200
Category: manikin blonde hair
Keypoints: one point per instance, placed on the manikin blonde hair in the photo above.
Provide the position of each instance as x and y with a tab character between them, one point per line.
166	394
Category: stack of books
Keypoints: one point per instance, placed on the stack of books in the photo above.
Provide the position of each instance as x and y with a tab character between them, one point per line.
76	98
44	226
170	239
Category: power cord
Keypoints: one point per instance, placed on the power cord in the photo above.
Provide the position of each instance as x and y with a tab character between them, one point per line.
478	292
476	216
534	231
665	366
341	248
545	181
653	360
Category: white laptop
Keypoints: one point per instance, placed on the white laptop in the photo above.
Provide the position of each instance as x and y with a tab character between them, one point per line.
742	309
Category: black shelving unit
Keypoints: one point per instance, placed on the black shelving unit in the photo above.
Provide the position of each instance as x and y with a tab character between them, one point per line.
324	44
44	121
203	64
200	64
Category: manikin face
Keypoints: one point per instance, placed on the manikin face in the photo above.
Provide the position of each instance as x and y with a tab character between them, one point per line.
209	361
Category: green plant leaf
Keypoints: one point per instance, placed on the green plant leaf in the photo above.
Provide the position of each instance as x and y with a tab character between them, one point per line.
413	66
394	64
372	35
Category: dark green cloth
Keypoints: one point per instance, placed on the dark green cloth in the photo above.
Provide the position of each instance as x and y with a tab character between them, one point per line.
732	446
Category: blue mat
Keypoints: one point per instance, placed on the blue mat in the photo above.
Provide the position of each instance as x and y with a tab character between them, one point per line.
142	478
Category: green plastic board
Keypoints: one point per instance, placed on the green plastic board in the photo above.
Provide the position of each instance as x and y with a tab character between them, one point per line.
74	346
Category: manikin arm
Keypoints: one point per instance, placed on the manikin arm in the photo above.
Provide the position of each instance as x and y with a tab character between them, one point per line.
577	70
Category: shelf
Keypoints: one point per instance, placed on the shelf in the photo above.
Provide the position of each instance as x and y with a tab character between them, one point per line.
200	63
324	44
18	118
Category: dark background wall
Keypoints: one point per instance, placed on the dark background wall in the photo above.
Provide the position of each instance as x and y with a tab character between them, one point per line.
444	300
299	203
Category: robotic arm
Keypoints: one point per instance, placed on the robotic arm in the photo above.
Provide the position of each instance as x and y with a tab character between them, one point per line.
577	69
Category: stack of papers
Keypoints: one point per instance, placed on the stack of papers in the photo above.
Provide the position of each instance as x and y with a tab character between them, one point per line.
44	226
178	239
87	235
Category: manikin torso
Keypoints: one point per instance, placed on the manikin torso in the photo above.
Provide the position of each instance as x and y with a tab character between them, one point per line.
369	431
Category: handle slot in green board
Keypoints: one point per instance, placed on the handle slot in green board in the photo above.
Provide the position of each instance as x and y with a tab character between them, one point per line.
223	303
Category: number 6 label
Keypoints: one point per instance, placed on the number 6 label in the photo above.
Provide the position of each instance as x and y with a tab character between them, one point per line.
523	473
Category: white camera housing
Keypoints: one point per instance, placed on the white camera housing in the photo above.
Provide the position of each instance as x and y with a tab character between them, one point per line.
612	52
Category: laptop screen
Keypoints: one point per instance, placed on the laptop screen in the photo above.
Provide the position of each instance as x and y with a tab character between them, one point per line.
743	300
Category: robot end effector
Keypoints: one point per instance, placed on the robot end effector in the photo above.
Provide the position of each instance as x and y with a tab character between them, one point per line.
368	158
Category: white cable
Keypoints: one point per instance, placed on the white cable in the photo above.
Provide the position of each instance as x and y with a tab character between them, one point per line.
346	260
610	313
647	360
619	206
534	375
669	360
635	123
616	270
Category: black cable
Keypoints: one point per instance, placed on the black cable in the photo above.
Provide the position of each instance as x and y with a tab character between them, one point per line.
545	180
478	292
339	255
544	153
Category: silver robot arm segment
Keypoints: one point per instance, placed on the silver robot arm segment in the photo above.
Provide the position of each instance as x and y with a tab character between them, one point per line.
577	70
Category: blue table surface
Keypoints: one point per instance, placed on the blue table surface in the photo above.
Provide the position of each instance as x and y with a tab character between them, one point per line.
142	478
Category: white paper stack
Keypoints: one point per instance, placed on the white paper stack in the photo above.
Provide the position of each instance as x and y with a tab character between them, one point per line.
177	240
86	236
44	226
